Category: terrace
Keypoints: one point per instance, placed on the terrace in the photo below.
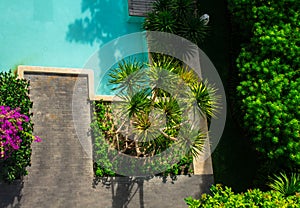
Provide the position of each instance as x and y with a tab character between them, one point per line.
67	50
62	167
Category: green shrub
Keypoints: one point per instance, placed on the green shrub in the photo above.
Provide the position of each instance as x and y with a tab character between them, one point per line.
269	92
245	13
101	125
268	71
225	197
14	93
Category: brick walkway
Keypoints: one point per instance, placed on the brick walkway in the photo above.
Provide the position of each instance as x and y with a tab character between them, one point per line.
61	174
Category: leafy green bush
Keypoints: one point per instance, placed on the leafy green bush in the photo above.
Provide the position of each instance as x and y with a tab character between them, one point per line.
245	13
225	197
101	125
14	93
268	71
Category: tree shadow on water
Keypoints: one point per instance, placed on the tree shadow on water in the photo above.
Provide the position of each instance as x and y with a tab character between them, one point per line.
10	194
100	22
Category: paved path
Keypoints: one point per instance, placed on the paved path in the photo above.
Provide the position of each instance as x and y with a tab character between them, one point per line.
61	174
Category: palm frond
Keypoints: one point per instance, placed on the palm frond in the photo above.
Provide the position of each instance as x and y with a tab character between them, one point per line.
163	21
194	29
127	76
166	62
138	102
191	140
187	75
147	126
171	108
182	7
161	5
206	97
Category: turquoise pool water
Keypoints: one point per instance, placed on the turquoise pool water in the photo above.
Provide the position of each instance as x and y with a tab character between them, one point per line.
60	33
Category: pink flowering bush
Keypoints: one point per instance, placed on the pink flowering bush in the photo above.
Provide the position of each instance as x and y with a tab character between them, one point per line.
16	127
11	121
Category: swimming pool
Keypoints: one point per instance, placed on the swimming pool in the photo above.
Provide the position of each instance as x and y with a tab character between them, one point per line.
57	33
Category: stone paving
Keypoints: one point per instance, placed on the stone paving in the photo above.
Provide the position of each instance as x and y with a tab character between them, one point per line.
61	174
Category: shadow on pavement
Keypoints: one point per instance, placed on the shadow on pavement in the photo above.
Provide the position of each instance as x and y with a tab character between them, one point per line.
10	194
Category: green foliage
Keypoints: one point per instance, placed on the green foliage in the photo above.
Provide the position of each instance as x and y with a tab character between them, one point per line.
284	184
268	71
225	197
148	118
119	75
193	203
245	13
183	167
177	17
100	125
14	93
102	134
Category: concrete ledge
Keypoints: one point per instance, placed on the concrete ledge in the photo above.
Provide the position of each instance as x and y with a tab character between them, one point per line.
108	98
54	70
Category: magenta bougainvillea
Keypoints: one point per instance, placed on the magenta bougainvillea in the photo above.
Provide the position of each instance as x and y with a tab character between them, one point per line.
11	124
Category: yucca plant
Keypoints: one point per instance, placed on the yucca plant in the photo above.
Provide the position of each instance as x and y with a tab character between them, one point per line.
155	112
206	98
158	89
162	5
178	17
193	28
127	76
285	184
182	8
163	21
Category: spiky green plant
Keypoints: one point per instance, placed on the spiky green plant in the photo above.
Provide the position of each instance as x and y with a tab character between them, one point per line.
193	29
178	17
163	21
127	75
287	185
206	98
167	80
153	114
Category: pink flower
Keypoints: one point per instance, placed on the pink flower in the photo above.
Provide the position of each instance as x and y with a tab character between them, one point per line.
37	139
11	125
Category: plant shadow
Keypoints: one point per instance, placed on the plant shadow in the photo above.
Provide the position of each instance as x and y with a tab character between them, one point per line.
100	22
10	194
126	191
